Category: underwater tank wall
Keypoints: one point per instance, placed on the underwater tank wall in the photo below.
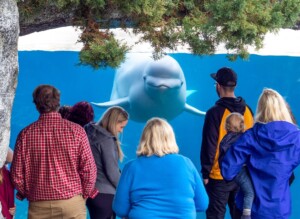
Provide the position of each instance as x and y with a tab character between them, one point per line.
77	83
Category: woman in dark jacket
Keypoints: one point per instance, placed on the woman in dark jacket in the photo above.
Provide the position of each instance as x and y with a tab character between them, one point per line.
81	113
271	151
105	144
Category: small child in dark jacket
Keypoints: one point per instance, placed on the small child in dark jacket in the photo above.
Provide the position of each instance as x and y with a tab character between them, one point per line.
234	126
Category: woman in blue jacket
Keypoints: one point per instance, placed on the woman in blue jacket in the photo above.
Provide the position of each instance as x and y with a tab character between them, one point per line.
271	151
160	183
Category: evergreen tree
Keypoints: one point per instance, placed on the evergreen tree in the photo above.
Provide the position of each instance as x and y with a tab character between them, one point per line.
200	24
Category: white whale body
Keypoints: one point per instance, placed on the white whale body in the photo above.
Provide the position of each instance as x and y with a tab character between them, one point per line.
148	88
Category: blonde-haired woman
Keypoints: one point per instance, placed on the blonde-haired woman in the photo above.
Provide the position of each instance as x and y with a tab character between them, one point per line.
271	151
107	151
160	183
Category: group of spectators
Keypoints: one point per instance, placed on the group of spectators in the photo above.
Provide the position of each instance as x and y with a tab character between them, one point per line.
65	161
250	171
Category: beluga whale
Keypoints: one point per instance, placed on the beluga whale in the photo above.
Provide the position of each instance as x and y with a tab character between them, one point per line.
148	88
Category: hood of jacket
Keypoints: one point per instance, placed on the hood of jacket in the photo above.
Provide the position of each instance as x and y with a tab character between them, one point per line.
94	130
276	136
237	104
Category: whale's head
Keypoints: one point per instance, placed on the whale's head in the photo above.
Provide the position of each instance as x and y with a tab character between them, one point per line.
148	88
164	77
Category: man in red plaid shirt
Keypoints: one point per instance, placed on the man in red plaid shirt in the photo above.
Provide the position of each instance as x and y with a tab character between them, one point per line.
53	166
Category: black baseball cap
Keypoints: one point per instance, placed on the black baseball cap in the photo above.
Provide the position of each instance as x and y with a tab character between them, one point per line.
225	76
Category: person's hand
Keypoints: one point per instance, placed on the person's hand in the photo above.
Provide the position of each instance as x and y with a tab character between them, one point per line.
205	181
12	211
9	156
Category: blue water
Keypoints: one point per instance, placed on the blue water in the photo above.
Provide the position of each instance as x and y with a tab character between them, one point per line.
78	83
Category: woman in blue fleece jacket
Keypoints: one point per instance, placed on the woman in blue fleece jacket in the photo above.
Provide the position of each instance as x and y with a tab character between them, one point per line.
271	151
160	183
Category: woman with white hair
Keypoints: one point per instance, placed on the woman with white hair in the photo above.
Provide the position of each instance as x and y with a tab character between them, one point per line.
271	151
160	183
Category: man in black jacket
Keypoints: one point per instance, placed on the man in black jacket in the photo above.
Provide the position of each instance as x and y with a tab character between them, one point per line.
219	191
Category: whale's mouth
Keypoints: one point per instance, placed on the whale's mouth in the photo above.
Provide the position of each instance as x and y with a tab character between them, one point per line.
163	83
160	87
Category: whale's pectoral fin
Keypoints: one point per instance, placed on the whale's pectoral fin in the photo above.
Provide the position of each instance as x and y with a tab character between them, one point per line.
190	92
191	109
123	102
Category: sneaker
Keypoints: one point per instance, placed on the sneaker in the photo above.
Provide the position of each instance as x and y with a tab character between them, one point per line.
246	217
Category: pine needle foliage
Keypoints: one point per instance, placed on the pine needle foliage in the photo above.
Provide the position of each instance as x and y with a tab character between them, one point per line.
202	25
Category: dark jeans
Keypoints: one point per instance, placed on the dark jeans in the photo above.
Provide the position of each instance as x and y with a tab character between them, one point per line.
244	181
220	194
101	206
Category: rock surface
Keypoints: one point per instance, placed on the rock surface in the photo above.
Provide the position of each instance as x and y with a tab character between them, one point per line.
9	33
